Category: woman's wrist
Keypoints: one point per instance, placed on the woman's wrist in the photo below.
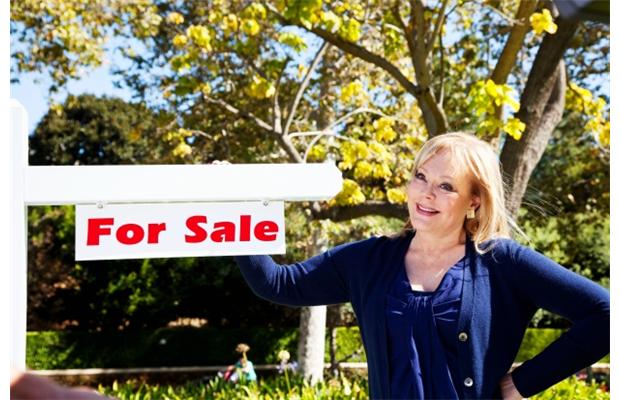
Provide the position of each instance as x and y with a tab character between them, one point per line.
508	388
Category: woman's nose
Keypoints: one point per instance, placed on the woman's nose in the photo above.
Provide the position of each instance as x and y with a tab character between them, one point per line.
429	190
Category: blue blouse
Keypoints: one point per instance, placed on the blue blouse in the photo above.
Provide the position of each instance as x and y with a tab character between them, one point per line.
502	289
422	337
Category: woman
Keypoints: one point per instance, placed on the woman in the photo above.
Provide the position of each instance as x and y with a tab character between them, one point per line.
443	307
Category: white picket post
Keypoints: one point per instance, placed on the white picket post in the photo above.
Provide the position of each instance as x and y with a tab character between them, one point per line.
138	184
19	237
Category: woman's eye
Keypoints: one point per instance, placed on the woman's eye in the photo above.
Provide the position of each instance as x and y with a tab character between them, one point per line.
420	176
446	186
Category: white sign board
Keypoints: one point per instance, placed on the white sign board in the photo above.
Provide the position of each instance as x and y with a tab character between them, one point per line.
124	231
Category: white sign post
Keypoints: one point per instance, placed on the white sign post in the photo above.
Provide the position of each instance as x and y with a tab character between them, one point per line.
164	194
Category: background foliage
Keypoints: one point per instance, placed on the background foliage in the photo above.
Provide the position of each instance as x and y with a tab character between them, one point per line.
362	83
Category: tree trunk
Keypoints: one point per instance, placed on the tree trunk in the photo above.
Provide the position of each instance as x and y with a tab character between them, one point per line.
311	351
313	319
542	105
333	348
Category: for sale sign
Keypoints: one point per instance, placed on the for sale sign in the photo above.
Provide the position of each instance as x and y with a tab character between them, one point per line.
123	231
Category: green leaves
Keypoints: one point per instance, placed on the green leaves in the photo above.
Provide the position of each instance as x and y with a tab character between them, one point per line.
304	12
292	40
63	36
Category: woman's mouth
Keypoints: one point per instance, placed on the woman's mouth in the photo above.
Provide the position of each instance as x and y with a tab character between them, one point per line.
425	210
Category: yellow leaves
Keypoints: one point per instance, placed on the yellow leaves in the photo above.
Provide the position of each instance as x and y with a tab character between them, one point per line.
350	195
177	138
331	21
396	196
351	30
583	94
380	151
484	98
413	141
301	71
182	150
134	135
179	41
353	93
593	109
393	44
383	129
214	17
68	15
175	18
229	24
260	88
200	36
255	11
381	171
205	89
317	153
250	27
349	91
351	152
304	12
56	108
603	136
181	62
514	127
363	169
500	94
366	161
543	22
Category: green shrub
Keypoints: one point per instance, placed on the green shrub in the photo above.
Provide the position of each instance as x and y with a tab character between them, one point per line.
536	340
572	388
272	388
200	346
294	387
161	347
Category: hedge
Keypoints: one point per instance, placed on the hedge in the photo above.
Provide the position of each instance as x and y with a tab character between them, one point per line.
198	346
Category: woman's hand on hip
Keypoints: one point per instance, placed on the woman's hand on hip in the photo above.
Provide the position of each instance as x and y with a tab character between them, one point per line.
509	390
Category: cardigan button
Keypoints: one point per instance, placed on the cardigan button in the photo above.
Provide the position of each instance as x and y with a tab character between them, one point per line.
463	337
468	382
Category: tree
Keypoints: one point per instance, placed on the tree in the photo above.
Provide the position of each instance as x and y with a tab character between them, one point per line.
213	49
406	71
88	130
129	294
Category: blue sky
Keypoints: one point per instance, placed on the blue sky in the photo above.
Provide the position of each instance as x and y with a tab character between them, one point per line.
34	96
33	89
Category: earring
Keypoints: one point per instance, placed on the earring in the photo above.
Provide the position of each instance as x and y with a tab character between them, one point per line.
471	213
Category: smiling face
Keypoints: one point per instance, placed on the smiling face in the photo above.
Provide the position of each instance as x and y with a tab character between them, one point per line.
439	195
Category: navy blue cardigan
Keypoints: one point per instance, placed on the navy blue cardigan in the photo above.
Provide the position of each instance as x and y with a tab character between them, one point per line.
502	290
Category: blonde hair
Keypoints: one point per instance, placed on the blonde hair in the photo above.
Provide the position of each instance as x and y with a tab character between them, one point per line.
481	162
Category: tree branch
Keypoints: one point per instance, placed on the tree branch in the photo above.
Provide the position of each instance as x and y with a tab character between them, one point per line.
511	21
507	59
357	51
440	19
341	213
407	32
234	110
543	94
277	111
441	72
302	87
